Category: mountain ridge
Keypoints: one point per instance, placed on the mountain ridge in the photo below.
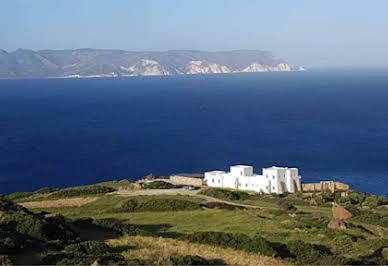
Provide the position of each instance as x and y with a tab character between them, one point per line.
88	62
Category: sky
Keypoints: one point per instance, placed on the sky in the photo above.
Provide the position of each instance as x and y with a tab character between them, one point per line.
311	33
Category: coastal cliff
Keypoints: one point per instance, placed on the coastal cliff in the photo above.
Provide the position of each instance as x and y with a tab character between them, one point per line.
112	63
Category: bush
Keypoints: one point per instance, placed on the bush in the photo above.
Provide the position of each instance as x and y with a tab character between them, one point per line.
88	247
19	195
61	258
112	225
370	217
306	253
256	244
159	205
221	205
159	185
225	194
374	201
45	190
191	260
285	205
27	224
129	205
81	191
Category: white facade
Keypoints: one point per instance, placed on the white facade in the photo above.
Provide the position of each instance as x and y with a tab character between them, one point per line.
241	177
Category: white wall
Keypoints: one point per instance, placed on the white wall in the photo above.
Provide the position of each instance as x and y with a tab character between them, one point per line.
274	179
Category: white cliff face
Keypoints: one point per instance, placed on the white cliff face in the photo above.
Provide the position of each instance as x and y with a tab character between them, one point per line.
256	67
199	67
145	67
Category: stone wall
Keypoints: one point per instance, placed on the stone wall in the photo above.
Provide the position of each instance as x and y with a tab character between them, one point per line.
186	180
324	185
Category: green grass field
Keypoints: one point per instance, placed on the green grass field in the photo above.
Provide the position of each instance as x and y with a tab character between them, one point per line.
266	218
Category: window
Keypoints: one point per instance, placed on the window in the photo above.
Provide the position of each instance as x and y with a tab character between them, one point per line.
246	185
273	188
213	180
273	177
219	181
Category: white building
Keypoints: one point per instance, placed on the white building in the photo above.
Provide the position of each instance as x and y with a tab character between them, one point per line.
241	177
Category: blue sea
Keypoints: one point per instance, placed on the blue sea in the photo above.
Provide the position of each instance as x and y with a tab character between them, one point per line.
332	125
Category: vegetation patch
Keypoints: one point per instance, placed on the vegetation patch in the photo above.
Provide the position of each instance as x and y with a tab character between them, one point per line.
221	205
255	244
82	191
191	260
84	253
225	194
156	205
113	225
158	184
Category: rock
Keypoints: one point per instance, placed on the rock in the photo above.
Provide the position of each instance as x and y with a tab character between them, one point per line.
337	224
340	212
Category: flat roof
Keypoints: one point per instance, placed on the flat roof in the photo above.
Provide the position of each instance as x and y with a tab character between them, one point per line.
242	166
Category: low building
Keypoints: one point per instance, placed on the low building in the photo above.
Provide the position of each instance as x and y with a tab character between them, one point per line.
241	177
325	185
188	179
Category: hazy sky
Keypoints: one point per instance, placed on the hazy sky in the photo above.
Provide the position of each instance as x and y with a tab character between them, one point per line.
305	32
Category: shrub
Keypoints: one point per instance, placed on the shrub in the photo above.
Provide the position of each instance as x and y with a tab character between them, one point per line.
371	217
129	205
306	253
28	225
285	205
88	247
374	201
159	185
19	195
45	190
256	244
221	205
61	258
81	191
113	225
225	194
191	260
159	205
327	196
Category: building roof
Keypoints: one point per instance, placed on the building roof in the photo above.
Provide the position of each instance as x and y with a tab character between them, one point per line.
279	167
241	166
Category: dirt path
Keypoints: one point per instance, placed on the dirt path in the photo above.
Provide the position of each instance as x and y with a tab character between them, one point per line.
178	191
70	202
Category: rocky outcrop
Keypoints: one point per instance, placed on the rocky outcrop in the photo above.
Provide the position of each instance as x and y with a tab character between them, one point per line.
199	67
145	67
256	67
340	214
90	63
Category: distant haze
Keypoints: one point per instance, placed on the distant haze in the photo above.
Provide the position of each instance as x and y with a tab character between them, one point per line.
322	33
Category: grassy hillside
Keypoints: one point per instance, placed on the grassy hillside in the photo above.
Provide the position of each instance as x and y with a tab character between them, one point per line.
219	226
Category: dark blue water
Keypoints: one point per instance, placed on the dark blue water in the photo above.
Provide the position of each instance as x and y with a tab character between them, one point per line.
65	132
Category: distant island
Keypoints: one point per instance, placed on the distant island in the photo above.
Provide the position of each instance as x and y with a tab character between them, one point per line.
89	63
